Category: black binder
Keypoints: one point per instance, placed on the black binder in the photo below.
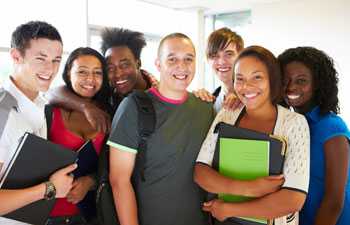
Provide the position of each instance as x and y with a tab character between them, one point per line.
277	151
33	163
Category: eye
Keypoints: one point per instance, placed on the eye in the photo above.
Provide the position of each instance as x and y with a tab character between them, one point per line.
258	77
189	59
98	72
124	65
56	61
172	59
83	72
301	81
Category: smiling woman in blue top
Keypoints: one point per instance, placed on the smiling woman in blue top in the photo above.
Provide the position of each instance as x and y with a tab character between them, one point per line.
311	89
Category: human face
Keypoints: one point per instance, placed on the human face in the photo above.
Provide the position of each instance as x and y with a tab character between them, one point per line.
252	83
299	85
86	76
37	66
123	69
176	64
222	63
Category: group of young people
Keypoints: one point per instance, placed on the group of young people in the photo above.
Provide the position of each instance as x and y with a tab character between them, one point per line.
293	95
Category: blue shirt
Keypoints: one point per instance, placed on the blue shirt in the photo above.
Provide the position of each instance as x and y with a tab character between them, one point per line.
322	128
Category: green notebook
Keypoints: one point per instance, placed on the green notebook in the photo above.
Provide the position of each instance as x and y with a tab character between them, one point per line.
243	159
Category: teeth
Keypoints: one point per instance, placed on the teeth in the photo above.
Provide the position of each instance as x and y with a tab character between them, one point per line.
223	69
88	87
180	77
293	97
44	77
250	95
121	82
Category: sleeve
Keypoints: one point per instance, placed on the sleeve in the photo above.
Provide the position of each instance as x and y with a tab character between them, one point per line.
335	127
297	163
124	134
206	153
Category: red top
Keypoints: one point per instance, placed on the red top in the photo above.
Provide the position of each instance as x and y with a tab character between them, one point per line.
61	135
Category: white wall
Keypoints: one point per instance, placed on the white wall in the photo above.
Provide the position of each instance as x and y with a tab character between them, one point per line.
318	23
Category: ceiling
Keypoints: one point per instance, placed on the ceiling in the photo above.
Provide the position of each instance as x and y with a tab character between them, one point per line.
208	6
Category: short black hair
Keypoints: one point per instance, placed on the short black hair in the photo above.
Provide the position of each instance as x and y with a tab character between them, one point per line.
170	36
324	75
117	37
273	69
103	95
32	30
220	39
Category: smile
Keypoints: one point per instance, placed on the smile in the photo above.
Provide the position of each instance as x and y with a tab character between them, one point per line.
121	82
180	77
225	69
293	97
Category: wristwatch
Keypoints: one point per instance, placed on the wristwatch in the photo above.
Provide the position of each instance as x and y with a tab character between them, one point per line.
50	192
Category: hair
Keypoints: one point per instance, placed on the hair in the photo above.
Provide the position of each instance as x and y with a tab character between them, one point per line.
220	39
273	69
324	75
117	37
171	36
102	96
32	30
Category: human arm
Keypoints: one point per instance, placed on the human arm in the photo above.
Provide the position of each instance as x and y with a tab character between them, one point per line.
213	182
276	204
336	153
80	188
121	167
61	96
17	198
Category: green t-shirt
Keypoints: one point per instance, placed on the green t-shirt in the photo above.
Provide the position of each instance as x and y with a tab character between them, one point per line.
169	195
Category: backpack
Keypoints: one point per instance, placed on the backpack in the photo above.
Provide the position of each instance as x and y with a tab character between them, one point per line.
106	211
7	102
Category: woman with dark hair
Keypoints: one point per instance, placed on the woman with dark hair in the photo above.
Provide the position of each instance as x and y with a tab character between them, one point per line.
85	75
258	85
311	89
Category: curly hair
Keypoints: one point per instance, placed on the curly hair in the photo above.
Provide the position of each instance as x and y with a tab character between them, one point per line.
324	74
116	37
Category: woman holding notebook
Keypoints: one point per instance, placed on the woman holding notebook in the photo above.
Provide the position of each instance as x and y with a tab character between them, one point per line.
85	75
258	85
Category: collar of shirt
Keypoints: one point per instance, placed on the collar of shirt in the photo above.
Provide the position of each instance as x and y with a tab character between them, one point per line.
313	115
33	110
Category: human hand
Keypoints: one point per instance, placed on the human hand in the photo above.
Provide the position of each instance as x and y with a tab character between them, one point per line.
231	102
62	180
79	189
265	185
98	119
204	95
217	208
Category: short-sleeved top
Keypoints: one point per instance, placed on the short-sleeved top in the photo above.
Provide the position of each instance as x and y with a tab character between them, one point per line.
290	125
26	116
168	195
61	135
323	128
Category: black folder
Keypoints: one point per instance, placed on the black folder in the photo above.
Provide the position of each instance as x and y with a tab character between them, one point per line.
277	151
278	145
33	163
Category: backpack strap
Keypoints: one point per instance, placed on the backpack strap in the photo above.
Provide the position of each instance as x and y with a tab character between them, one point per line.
146	126
7	102
217	92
